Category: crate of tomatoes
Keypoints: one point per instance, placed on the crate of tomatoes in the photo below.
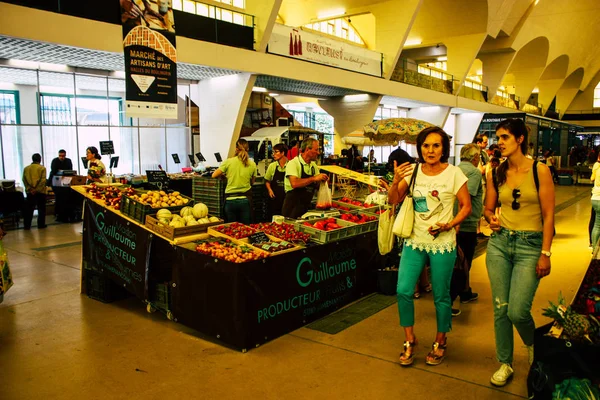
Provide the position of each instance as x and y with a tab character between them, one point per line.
283	231
325	230
232	230
365	222
348	204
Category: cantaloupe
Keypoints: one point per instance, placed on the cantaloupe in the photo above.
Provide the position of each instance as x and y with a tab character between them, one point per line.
185	211
200	210
164	213
177	223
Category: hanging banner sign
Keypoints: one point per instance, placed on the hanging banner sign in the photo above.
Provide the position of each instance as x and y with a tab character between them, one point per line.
150	58
304	45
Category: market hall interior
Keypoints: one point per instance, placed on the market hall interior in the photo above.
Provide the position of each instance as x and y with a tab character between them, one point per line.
58	343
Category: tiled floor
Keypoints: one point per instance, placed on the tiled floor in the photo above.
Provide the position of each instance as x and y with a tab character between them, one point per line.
58	344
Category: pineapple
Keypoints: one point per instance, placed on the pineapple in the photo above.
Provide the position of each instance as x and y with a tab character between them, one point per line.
576	326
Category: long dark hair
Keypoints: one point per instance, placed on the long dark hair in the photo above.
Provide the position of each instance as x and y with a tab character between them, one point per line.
94	151
445	142
517	128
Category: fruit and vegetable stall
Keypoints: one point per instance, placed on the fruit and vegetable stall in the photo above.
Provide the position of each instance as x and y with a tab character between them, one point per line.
240	285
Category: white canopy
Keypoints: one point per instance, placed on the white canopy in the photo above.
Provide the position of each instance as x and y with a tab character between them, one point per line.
270	132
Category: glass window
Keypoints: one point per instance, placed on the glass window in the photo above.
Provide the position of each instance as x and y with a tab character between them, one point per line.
152	140
226	15
56	138
238	18
189	6
177	143
177	5
57	109
9	107
19	143
239	3
202	9
597	96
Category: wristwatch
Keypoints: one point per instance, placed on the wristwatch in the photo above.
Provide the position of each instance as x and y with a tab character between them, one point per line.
546	253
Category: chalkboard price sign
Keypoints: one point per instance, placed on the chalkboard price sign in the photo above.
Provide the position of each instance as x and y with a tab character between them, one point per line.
258	237
107	147
175	158
158	179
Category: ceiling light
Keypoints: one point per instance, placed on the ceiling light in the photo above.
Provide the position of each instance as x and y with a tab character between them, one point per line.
413	42
23	64
54	67
259	89
356	97
444	58
273	94
118	74
338	12
393	106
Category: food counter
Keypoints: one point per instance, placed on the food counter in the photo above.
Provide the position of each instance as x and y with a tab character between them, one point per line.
239	303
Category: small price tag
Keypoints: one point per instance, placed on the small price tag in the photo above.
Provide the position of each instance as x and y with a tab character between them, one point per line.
258	237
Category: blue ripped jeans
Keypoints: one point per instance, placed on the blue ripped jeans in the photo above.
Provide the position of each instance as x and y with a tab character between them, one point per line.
511	261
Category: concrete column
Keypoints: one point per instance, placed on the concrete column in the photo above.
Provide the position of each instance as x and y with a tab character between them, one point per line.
352	112
462	51
436	115
495	66
265	14
464	130
222	104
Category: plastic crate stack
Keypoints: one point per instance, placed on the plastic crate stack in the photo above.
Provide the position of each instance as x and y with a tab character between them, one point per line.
210	192
259	201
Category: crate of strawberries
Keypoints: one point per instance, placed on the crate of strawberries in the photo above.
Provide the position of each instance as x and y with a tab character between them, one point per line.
365	222
325	230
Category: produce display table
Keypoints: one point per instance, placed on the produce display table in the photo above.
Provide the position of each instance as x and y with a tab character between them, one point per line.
241	305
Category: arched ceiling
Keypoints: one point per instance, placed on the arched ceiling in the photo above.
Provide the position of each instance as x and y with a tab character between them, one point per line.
557	69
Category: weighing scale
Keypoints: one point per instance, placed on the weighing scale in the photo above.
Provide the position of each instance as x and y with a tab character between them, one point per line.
314	214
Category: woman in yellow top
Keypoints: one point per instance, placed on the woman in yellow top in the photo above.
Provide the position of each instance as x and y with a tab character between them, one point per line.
241	173
518	253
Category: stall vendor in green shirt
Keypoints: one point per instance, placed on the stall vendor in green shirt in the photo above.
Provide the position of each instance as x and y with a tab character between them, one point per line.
275	179
301	176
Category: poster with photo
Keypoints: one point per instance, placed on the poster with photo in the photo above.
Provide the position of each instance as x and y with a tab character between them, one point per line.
150	58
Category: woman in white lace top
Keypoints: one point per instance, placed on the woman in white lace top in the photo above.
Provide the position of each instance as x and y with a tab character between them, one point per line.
433	240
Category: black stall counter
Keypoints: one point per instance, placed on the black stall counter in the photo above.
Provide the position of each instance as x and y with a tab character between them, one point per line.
241	305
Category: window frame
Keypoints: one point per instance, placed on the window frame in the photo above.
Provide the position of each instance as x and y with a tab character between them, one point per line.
120	100
17	101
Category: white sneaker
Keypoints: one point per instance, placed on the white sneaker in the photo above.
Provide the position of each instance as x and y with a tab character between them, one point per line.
501	377
530	353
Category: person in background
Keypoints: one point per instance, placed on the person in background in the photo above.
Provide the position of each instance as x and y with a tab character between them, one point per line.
551	163
433	239
495	162
96	168
275	179
294	150
595	178
371	158
302	177
482	142
354	158
466	238
34	180
241	174
60	163
530	150
518	252
400	156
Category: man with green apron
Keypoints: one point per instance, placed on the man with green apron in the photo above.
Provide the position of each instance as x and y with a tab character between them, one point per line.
301	180
275	179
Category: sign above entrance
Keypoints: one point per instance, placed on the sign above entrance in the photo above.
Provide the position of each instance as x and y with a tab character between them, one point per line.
304	45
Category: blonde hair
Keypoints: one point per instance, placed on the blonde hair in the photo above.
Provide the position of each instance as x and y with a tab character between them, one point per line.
241	151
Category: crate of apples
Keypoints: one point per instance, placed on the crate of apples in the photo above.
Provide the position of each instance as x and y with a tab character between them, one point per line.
111	195
227	250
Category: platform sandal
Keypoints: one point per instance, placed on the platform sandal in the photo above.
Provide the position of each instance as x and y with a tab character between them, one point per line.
437	354
408	355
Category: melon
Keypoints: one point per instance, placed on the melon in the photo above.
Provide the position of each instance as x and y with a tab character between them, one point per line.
164	213
204	220
200	210
185	211
192	222
214	219
164	221
189	218
177	223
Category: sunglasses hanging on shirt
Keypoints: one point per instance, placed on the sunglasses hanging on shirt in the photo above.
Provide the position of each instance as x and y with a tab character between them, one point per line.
516	193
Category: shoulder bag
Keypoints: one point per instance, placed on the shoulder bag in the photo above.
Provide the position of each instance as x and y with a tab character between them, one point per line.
405	220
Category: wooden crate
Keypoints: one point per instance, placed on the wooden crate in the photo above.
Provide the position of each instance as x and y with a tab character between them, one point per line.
171	233
138	211
192	246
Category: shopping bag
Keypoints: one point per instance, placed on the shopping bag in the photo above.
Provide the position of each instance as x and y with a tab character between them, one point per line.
403	225
5	276
385	236
324	196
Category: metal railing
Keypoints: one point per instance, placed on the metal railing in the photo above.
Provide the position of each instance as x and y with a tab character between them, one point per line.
408	72
474	93
592	111
512	101
214	12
